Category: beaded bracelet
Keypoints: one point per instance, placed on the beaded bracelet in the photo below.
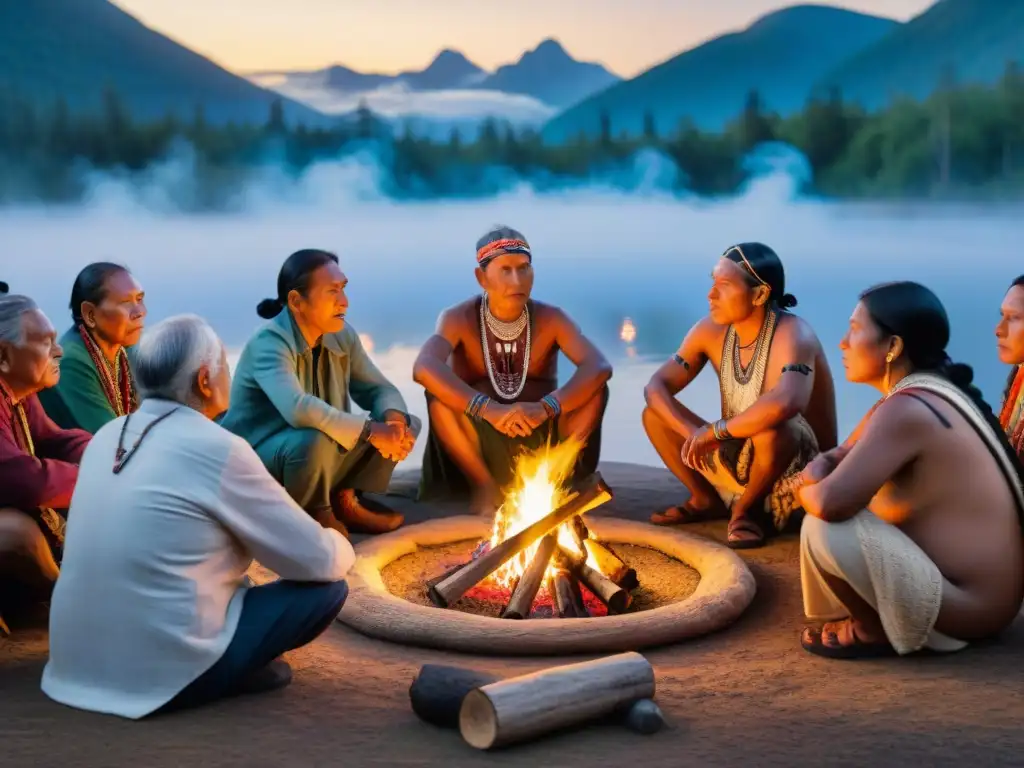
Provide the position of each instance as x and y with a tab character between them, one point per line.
476	405
719	430
552	404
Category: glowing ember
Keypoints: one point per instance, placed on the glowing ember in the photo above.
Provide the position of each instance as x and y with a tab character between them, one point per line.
538	489
628	331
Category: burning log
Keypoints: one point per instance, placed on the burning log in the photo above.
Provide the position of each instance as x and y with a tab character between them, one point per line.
609	564
592	493
438	690
523	707
523	595
568	599
607	591
445	575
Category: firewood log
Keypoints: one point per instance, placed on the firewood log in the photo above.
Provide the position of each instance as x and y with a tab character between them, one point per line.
437	692
521	708
593	493
521	601
611	565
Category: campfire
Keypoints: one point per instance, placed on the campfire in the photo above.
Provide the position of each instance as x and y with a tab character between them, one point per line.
540	544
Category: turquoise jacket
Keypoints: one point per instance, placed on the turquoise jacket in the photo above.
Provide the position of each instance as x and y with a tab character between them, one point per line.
274	384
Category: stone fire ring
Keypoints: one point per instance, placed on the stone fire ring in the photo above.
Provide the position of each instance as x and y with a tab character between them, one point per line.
725	590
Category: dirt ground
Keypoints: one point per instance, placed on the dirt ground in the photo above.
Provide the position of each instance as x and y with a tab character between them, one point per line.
748	694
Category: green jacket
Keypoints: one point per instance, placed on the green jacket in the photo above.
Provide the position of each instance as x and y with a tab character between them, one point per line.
274	383
78	401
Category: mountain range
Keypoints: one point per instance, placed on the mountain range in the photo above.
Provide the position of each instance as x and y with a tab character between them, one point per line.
781	55
75	49
973	39
799	51
546	73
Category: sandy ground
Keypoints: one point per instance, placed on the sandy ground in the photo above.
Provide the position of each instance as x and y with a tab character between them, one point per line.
747	695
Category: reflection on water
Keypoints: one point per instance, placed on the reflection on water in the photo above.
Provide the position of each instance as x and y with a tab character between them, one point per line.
602	258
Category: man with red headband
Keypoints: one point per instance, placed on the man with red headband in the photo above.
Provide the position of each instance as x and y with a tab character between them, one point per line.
490	374
778	403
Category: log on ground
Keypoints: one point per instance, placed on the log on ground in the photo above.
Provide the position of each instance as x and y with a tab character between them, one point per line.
521	708
438	690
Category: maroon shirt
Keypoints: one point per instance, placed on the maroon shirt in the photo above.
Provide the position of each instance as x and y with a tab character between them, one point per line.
48	478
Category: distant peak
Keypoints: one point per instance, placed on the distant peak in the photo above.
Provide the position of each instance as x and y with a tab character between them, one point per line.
549	50
550	45
450	54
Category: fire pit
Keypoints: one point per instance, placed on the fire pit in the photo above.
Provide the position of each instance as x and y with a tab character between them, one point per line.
545	561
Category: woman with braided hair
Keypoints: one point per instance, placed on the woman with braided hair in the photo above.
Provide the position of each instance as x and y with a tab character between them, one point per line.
913	534
98	384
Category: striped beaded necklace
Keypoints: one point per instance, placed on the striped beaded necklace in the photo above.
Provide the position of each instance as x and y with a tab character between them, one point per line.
115	378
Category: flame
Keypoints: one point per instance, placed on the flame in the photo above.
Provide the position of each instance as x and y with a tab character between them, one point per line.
628	331
538	489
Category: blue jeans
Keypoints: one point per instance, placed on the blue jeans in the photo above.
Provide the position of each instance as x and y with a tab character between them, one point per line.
275	618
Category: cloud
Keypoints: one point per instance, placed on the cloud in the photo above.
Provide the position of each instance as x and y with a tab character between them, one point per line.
398	101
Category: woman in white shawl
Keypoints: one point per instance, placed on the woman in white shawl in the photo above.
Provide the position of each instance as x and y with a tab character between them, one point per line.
913	537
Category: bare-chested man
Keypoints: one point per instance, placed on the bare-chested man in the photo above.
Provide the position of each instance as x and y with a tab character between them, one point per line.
490	373
913	533
778	402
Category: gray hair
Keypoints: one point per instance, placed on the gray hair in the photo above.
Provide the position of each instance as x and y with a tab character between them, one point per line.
13	308
170	354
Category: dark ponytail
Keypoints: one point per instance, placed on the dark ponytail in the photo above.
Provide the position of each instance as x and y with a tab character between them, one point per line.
91	286
295	275
269	308
915	314
762	266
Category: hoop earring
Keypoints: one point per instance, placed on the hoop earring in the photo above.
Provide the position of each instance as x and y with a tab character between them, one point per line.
888	372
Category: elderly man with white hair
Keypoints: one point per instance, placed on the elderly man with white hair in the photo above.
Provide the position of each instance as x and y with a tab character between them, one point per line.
153	610
38	460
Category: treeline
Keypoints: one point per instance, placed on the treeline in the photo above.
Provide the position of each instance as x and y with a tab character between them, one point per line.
962	140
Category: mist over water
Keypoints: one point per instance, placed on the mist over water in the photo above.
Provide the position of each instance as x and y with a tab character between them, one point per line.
602	255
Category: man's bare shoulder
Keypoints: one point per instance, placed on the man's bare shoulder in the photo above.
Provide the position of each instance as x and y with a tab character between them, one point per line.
794	328
550	313
463	314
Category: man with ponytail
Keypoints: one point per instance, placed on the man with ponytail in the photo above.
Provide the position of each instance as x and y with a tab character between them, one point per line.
291	400
913	535
778	403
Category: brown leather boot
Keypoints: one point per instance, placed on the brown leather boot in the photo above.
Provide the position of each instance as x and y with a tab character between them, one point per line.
365	515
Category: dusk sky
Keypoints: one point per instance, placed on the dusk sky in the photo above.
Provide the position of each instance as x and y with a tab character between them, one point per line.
393	35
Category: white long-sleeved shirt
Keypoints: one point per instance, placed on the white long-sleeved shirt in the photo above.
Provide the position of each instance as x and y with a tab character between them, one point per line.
153	575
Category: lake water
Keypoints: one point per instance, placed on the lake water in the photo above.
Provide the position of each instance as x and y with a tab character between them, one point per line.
601	256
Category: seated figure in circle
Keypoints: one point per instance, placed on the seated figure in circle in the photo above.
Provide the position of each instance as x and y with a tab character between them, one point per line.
1010	343
154	610
913	537
97	383
294	386
39	461
491	380
778	403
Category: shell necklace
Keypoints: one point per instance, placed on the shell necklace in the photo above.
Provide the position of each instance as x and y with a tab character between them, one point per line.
507	385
